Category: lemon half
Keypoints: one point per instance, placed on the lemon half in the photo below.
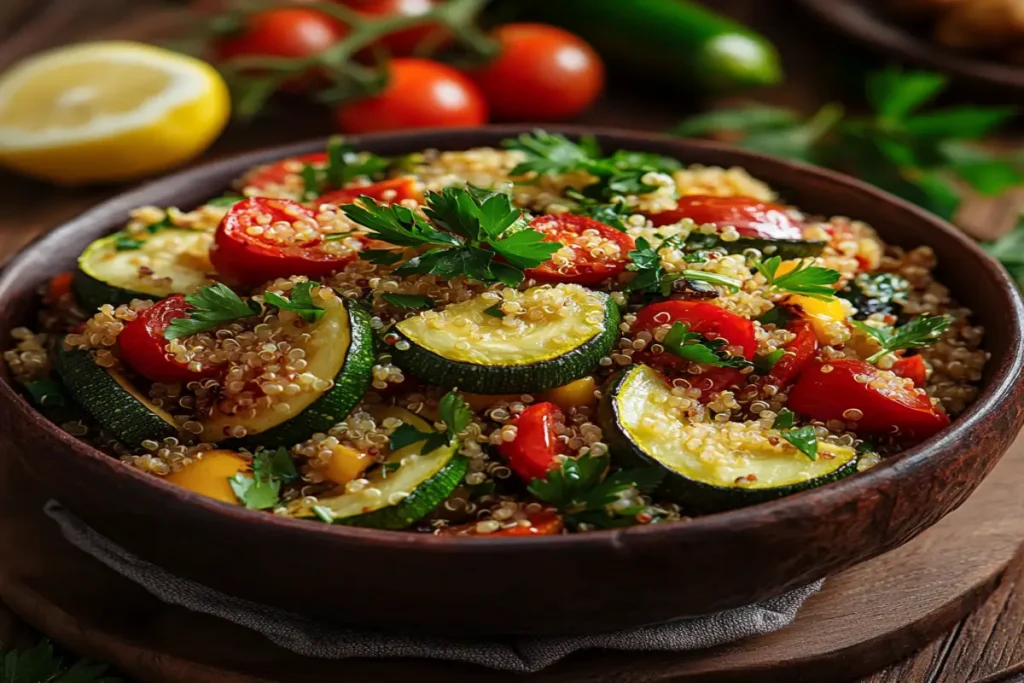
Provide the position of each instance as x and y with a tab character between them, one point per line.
108	111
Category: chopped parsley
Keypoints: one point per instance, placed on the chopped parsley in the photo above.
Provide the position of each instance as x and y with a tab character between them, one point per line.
211	306
301	301
344	164
469	228
125	242
805	440
225	200
916	334
409	301
580	488
262	490
695	347
785	419
654	279
495	311
453	411
806	279
764	364
778	316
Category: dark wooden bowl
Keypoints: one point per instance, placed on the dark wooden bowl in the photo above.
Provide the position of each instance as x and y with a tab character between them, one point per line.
590	582
866	22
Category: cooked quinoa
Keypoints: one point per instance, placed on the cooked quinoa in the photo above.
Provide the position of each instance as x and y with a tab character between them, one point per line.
499	341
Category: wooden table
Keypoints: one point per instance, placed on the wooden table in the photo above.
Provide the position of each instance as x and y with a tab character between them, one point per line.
988	646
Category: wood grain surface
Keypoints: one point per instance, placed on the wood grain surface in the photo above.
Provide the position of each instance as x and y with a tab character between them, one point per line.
986	647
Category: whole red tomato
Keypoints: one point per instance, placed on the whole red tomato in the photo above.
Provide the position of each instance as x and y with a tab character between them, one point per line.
291	32
403	43
420	93
542	73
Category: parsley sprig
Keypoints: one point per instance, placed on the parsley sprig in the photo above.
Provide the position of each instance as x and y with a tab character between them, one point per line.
211	306
408	301
301	301
653	278
453	411
805	438
924	155
580	489
42	664
916	334
262	489
807	279
1009	250
344	164
468	231
695	347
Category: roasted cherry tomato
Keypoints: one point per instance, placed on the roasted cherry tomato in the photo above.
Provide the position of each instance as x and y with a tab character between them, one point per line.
855	391
750	217
541	524
709	320
290	32
543	73
249	250
143	347
420	93
599	251
532	453
387	191
798	354
277	173
58	287
912	368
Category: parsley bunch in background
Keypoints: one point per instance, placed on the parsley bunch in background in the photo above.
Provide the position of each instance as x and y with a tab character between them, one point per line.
42	664
925	155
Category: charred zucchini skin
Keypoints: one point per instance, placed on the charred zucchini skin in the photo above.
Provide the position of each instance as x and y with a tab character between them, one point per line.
509	379
692	494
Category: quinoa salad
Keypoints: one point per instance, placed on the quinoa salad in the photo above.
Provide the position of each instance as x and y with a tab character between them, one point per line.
536	339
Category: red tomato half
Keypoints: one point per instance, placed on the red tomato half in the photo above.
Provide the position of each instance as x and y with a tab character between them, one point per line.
532	453
143	347
246	252
599	251
798	354
541	524
888	404
750	217
264	177
387	191
913	368
543	73
420	93
709	320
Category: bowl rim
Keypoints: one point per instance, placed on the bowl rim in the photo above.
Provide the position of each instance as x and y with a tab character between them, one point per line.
998	394
860	21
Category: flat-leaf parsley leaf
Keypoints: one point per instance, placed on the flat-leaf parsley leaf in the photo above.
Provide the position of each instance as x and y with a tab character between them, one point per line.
916	334
212	306
806	279
301	301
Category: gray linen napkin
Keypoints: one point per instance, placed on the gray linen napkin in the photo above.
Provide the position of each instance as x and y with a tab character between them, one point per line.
521	654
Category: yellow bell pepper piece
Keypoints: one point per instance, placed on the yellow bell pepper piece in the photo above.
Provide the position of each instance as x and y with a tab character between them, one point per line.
209	475
576	394
823	315
346	464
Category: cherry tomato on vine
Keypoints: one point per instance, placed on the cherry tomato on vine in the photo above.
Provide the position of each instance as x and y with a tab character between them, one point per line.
584	236
713	322
543	73
143	347
798	354
248	249
751	217
402	43
884	403
290	32
532	453
387	191
541	524
420	93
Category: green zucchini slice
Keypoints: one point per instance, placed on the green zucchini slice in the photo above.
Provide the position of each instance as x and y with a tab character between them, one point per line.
407	492
437	347
169	261
783	248
339	349
708	464
111	400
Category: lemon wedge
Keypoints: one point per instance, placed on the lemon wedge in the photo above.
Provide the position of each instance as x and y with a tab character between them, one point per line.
108	111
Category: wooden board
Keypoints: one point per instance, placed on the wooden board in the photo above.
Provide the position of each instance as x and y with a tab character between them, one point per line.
864	619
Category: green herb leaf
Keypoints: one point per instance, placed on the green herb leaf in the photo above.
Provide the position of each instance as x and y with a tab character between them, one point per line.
262	489
312	187
894	93
785	419
345	164
1009	250
747	118
225	200
453	411
612	214
918	333
301	301
495	311
551	153
383	257
764	364
41	664
409	301
125	242
691	346
212	306
804	439
396	224
965	123
806	279
712	278
778	316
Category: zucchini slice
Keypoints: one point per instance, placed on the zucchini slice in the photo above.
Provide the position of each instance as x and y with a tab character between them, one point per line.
339	348
783	248
169	261
709	464
407	493
529	356
111	400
